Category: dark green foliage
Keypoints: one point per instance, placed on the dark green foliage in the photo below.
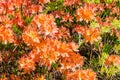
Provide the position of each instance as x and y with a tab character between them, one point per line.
105	13
54	5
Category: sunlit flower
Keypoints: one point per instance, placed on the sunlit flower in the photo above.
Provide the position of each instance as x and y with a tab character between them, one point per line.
35	9
72	61
91	35
82	75
84	14
14	77
37	77
48	51
27	64
58	14
113	59
7	35
35	54
46	24
62	33
18	20
118	33
3	7
71	2
67	17
30	36
48	56
5	20
43	1
87	75
79	29
45	53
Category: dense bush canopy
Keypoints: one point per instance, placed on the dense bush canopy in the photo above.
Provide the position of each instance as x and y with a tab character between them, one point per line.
59	40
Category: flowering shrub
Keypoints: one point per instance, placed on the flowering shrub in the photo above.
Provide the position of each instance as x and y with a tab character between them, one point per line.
59	39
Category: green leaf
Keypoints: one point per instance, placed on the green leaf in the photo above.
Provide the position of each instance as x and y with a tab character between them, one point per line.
107	48
9	46
105	29
94	24
54	5
28	19
118	3
102	58
57	20
54	65
92	1
11	16
116	48
16	30
115	24
105	13
1	46
96	44
108	1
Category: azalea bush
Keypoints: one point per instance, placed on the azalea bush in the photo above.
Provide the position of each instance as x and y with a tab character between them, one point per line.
59	39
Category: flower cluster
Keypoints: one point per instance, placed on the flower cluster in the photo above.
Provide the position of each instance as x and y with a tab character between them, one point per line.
82	74
49	51
27	64
45	24
113	59
7	35
85	13
90	34
59	39
71	2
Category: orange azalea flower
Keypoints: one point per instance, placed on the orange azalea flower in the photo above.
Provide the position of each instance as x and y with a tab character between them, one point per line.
45	53
84	14
18	20
14	77
35	54
37	77
35	8
67	17
5	21
47	57
7	35
30	36
62	33
54	49
87	75
73	46
71	2
3	7
27	64
64	48
72	61
81	75
42	78
50	50
115	59
46	24
118	33
91	35
43	1
79	29
58	14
